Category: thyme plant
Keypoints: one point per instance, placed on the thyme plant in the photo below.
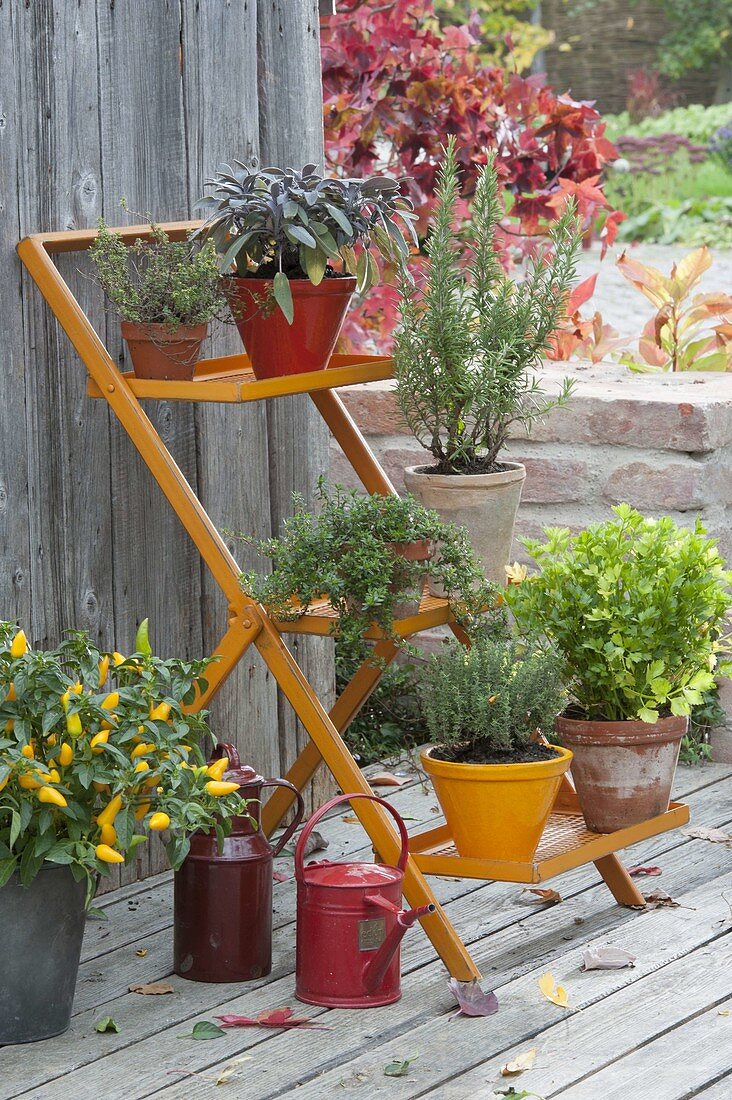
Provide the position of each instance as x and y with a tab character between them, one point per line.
489	701
468	342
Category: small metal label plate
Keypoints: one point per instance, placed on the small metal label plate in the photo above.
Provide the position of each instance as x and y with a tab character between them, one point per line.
371	933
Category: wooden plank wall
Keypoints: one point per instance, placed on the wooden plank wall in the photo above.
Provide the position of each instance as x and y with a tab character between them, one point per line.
100	101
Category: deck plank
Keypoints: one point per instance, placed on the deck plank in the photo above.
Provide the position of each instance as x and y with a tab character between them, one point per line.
511	939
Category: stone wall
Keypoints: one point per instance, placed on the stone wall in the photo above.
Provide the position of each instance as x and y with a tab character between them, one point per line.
662	443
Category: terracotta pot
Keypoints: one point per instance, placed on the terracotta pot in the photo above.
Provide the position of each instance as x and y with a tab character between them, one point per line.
497	811
159	351
623	771
276	348
418	550
484	504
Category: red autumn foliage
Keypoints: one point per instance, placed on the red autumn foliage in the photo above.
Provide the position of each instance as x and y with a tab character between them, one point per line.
396	84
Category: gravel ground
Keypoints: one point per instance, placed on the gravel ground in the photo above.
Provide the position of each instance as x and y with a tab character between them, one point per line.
624	306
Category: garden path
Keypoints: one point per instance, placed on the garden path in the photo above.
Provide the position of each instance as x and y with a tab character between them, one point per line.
663	1028
625	307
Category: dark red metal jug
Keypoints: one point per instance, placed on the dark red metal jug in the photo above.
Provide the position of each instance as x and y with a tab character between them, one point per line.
223	902
350	924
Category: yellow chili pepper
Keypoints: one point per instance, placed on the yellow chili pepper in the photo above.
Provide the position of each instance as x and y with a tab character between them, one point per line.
118	659
65	700
142	766
160	713
77	688
11	696
142	749
8	727
52	797
51	741
66	755
53	776
98	741
141	810
151	782
28	782
218	789
110	701
110	811
159	821
103	788
103	671
109	835
217	769
27	752
19	645
73	725
107	854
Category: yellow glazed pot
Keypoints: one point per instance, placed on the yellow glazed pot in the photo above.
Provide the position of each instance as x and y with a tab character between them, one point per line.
497	811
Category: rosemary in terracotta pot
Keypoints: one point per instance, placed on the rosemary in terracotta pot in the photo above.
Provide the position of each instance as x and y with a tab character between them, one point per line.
466	348
637	608
485	709
294	246
166	293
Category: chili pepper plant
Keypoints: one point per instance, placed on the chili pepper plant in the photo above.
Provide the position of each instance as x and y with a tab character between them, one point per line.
96	751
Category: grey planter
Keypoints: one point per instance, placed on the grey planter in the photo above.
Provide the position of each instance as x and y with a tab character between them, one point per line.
42	929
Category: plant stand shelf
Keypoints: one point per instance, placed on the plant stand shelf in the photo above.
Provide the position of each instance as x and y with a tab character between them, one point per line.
566	843
229	379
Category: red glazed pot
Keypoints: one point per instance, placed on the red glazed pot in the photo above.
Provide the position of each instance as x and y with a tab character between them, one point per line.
276	348
622	771
159	351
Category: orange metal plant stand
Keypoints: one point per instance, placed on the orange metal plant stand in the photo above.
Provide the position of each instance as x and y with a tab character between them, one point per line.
229	379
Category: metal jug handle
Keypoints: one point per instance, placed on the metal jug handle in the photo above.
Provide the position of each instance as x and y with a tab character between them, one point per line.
302	839
298	813
225	748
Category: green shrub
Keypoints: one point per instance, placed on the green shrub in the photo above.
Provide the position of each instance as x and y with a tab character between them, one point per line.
490	699
695	122
635	606
157	281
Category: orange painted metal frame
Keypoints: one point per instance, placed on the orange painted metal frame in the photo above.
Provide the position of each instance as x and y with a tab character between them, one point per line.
229	379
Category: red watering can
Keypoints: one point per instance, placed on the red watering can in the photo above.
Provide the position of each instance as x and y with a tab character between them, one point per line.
350	924
223	901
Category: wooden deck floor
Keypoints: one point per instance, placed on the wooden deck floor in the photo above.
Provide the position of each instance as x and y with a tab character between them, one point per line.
662	1030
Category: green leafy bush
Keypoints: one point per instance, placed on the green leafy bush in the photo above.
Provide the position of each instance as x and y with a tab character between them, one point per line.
348	552
697	123
490	699
87	766
636	608
157	282
467	343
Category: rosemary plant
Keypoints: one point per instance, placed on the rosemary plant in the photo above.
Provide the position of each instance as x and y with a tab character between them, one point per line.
469	340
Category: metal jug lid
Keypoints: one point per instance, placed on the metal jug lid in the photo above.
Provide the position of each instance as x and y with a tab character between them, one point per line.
236	772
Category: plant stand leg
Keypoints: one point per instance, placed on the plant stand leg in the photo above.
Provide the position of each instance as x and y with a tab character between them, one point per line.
619	882
230	650
346	707
348	776
352	443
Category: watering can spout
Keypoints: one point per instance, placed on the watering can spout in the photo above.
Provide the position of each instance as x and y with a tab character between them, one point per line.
405	918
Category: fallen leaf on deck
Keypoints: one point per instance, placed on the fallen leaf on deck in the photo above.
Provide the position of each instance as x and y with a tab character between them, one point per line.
523	1095
229	1072
557	994
399	1068
141	953
659	899
350	819
547	897
276	1017
519	1063
151	989
471	998
724	1012
606	958
204	1029
106	1024
316	842
280	876
633	871
385	779
702	832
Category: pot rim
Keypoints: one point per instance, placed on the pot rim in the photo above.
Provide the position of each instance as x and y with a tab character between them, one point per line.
516	472
584	731
303	288
528	769
144	330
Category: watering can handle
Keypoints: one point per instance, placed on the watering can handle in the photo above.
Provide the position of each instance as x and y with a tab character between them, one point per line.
298	813
225	748
303	838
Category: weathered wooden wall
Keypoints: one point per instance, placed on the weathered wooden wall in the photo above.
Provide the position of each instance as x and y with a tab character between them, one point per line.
99	101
